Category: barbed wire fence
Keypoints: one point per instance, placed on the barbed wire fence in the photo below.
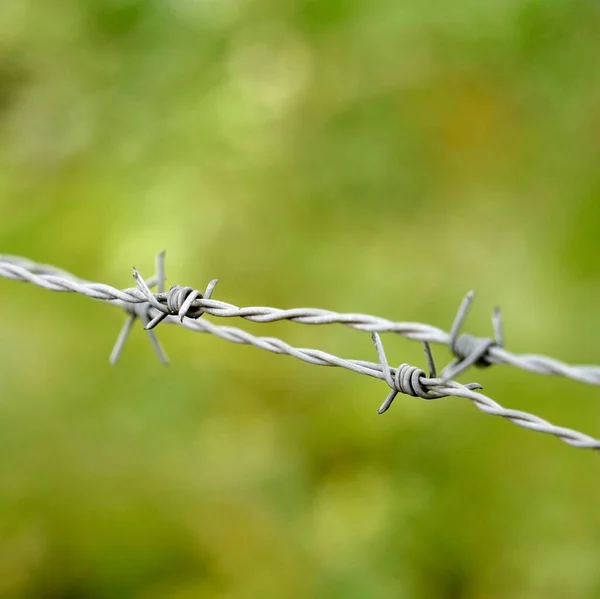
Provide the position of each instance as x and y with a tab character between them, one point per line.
183	306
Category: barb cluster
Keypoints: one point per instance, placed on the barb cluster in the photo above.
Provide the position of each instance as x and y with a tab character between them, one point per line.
411	380
185	305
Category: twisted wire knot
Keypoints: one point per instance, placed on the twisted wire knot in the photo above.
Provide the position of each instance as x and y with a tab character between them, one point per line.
411	380
408	380
466	346
469	350
182	301
178	301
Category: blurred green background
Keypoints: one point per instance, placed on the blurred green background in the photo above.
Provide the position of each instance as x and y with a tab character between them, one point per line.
370	156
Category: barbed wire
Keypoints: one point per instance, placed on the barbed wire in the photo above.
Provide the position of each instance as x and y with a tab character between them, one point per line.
468	349
184	306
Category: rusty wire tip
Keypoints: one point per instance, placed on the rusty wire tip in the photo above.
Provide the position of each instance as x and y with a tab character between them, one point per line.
469	350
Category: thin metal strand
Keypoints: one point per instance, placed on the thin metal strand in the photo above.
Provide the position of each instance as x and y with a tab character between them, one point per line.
372	369
410	379
52	278
124	333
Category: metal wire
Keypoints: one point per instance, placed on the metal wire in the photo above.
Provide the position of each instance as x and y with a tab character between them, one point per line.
21	269
184	306
439	387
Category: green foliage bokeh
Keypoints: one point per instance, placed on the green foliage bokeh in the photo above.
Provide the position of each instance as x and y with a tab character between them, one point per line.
380	157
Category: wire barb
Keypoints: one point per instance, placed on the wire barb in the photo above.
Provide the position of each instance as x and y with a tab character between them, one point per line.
141	311
468	349
182	301
178	300
410	380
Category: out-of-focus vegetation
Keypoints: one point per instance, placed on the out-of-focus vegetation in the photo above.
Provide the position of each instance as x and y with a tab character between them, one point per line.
381	157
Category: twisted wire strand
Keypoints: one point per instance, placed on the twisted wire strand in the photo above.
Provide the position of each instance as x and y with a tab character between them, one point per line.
438	386
405	379
20	269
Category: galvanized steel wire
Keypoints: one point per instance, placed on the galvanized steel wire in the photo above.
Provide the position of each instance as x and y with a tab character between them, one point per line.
185	305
